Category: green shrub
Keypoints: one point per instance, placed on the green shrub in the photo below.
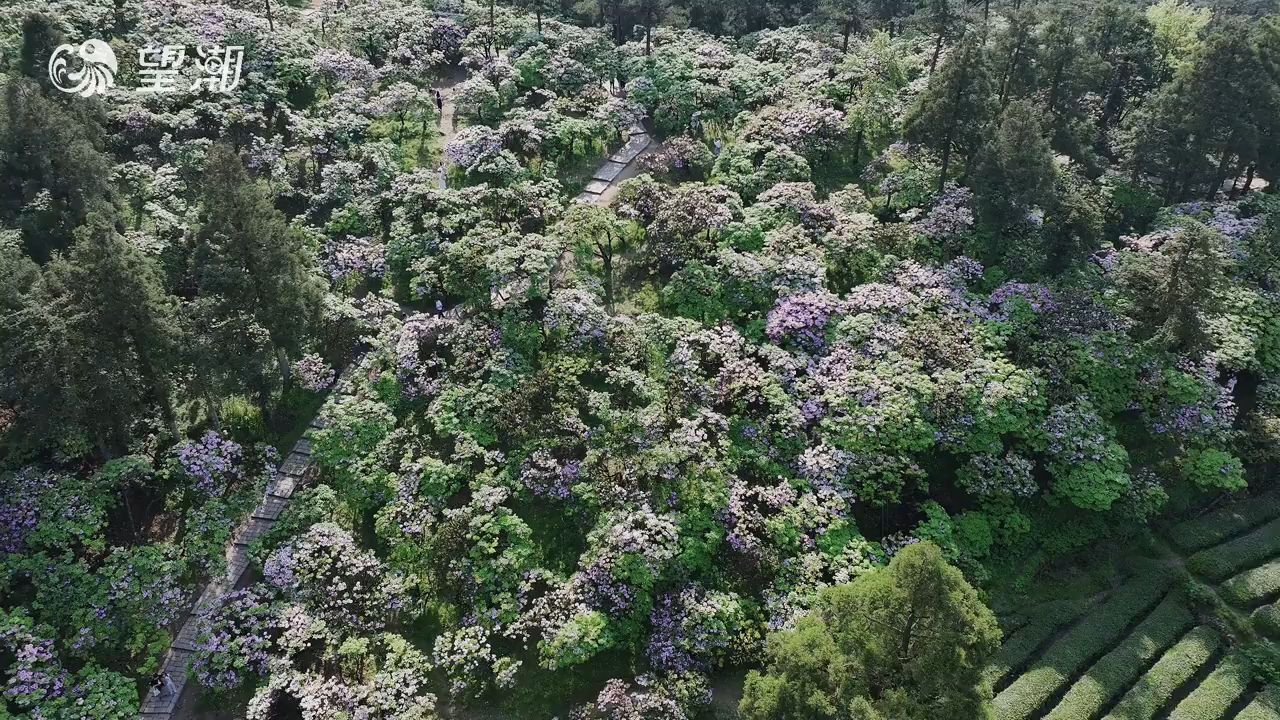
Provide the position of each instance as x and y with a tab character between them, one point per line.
1215	695
242	419
1022	643
1265	706
1214	527
1223	561
1119	668
1174	668
1253	586
1266	620
1212	468
1070	653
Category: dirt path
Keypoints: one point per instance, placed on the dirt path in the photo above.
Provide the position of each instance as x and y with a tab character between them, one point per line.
448	113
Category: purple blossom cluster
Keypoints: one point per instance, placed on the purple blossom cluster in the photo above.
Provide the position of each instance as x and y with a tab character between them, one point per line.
1211	415
20	506
1226	220
352	257
643	700
578	315
235	640
696	629
213	462
473	145
678	154
340	583
1075	434
418	366
313	373
545	476
1039	297
950	216
35	675
343	67
803	318
1008	475
748	510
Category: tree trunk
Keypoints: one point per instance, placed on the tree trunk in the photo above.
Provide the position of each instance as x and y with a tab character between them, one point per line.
1014	59
1220	176
937	50
844	44
282	359
606	262
648	32
215	417
946	161
271	23
537	9
128	510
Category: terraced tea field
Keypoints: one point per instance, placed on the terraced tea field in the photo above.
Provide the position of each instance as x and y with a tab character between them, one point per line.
1141	650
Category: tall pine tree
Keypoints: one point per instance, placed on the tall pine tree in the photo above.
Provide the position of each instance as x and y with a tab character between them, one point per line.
955	111
249	262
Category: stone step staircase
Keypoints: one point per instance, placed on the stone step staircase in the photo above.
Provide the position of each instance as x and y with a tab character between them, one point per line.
294	472
638	141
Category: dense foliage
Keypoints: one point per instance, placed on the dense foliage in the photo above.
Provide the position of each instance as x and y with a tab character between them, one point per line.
907	299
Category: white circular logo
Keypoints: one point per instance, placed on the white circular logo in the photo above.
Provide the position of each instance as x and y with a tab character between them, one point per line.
97	71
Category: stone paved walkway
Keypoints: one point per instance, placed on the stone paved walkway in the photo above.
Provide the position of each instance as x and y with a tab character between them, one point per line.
614	170
295	471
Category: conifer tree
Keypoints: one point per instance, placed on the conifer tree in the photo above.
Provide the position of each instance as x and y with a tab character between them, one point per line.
954	112
92	348
249	261
1016	169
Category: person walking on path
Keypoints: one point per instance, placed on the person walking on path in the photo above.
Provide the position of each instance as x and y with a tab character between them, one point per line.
440	104
162	685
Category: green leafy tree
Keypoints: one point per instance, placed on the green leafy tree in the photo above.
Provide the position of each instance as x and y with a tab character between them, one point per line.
597	237
846	15
1210	121
907	641
1172	290
1176	28
1120	37
1013	54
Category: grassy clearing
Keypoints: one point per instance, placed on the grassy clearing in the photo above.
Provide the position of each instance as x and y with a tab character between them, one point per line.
1222	561
1117	670
1265	706
1214	527
1074	650
1253	586
1154	689
1214	696
1049	617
